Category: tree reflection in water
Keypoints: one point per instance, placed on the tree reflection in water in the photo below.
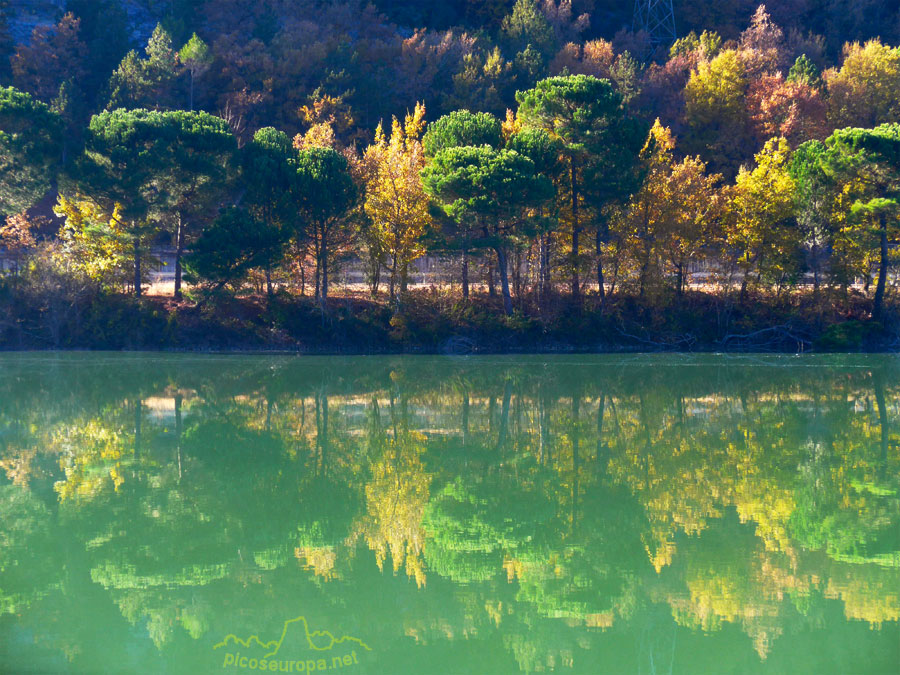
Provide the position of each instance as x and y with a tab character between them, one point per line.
599	514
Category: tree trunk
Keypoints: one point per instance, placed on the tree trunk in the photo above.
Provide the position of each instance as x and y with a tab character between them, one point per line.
504	280
544	273
317	271
323	446
517	274
643	277
179	250
465	274
324	264
878	304
393	284
492	291
137	264
404	280
815	266
376	278
192	91
504	415
268	281
576	231
601	239
543	435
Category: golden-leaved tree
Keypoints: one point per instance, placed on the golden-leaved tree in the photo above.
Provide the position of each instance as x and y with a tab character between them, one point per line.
715	110
395	201
94	242
761	228
649	208
865	91
694	228
674	217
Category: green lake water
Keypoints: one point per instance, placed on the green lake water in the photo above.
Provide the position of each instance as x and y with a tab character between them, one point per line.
578	514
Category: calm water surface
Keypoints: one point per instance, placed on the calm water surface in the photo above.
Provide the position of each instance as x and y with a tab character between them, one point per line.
639	514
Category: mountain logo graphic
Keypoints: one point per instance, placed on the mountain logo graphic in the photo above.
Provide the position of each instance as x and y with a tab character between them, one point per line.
259	654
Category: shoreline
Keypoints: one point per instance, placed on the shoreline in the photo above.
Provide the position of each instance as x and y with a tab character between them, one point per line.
436	324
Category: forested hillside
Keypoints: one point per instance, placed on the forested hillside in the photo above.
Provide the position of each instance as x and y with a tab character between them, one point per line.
554	162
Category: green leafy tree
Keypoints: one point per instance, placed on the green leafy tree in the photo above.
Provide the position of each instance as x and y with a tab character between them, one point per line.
544	150
124	160
458	129
269	177
233	245
105	30
326	194
626	73
483	82
805	71
868	162
599	142
706	45
146	82
72	107
497	188
25	532
30	150
196	58
814	197
527	26
198	165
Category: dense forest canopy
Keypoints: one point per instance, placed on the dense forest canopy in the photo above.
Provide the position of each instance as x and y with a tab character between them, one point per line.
322	133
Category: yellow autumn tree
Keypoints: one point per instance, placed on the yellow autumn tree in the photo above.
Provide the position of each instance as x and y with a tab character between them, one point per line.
396	496
674	217
694	225
94	242
851	258
865	91
648	208
329	119
761	226
715	109
395	201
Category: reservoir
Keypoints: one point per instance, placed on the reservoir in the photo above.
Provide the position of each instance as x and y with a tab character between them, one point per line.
170	513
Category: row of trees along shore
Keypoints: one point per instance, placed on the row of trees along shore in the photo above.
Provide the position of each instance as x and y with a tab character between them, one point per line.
575	187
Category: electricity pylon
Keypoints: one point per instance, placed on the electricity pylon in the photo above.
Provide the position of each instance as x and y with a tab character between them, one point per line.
657	19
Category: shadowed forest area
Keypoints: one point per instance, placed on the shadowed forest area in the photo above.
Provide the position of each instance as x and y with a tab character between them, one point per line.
537	175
